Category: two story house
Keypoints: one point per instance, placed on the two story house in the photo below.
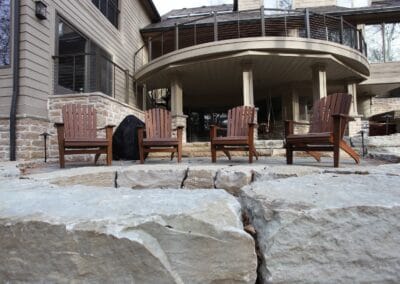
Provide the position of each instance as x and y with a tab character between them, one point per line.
121	56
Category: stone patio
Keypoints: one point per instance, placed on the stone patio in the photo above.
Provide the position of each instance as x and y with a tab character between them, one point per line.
197	222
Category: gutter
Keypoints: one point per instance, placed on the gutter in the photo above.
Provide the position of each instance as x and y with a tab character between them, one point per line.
15	91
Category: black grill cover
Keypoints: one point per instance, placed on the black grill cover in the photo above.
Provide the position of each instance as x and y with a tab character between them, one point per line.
125	140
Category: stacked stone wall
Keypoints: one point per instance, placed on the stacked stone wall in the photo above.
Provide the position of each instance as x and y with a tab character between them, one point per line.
30	143
4	139
109	111
380	105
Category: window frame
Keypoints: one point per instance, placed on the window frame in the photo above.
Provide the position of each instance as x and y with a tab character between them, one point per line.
116	5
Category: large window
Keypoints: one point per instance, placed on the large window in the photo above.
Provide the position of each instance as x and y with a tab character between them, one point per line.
383	41
5	32
83	66
109	8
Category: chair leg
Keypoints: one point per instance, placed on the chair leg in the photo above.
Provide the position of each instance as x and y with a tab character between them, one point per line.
172	155
336	153
213	154
109	156
141	154
254	152
289	155
227	153
350	151
250	156
96	158
179	152
61	156
315	155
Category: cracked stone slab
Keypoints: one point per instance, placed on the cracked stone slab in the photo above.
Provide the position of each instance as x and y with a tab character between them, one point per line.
152	176
90	176
232	179
201	177
327	228
102	235
279	172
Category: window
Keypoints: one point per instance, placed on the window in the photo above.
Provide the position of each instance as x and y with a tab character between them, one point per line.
109	8
5	32
83	66
383	42
353	3
71	58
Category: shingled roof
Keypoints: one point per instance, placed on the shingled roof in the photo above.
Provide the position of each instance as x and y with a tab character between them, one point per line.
226	13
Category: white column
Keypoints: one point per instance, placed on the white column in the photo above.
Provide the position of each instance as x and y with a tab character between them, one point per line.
319	81
176	96
248	93
178	118
295	105
352	90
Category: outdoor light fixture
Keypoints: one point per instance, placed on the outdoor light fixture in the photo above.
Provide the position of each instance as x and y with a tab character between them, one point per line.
41	10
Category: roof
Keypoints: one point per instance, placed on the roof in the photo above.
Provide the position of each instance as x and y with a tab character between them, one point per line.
227	12
151	10
187	14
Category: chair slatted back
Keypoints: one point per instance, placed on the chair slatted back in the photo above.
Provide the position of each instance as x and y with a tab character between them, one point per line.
79	122
323	110
158	123
239	119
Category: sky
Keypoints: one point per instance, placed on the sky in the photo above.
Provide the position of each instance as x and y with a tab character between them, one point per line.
164	6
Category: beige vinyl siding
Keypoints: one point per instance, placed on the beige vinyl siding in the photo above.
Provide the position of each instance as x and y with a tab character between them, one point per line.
38	45
5	91
385	72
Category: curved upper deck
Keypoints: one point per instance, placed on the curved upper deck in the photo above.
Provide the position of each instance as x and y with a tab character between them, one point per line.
210	35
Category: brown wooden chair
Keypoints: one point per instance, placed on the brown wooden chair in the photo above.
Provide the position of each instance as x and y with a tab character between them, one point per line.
240	134
157	137
327	127
78	134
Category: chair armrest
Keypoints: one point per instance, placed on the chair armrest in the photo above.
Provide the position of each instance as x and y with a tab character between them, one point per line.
58	124
298	122
178	127
105	127
218	127
342	115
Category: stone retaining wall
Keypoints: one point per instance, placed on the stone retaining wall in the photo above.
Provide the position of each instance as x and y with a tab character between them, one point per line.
109	111
30	145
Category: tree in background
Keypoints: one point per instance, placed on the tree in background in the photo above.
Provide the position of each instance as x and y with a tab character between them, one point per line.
5	32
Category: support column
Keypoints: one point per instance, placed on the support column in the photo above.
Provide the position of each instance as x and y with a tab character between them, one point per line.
290	105
178	118
319	88
352	90
355	125
248	93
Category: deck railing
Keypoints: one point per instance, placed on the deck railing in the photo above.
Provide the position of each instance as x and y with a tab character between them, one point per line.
89	72
262	22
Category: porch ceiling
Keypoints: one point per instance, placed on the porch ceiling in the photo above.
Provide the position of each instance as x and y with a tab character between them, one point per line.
220	79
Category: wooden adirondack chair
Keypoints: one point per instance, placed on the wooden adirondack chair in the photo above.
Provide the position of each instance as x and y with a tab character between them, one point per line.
78	134
158	136
240	134
327	127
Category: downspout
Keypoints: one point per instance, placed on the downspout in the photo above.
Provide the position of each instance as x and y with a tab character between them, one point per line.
15	93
